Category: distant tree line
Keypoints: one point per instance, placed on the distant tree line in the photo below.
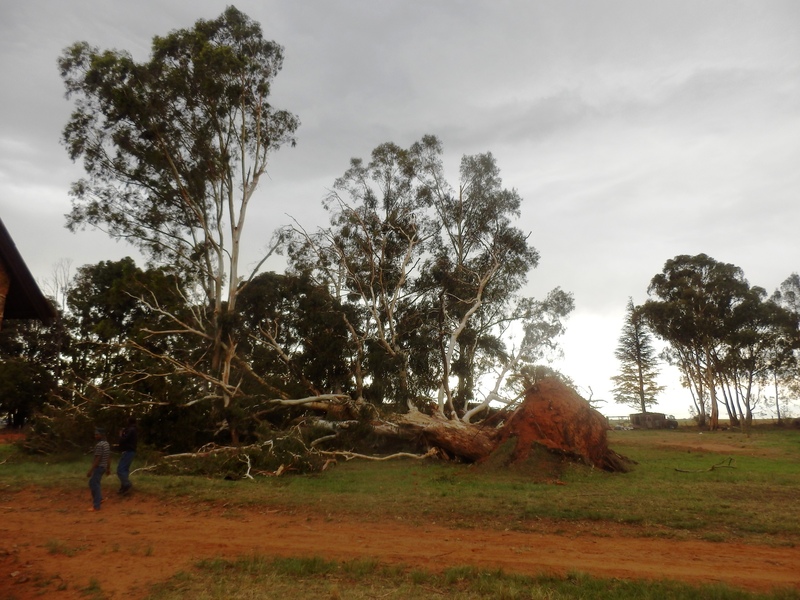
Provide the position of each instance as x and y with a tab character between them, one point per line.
735	346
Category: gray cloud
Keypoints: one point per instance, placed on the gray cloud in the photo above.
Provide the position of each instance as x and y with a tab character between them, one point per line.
634	131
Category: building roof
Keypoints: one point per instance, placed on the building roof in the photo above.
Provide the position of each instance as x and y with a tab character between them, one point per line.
25	300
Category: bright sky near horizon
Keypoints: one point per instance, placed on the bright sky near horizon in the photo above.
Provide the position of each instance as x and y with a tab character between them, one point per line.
634	131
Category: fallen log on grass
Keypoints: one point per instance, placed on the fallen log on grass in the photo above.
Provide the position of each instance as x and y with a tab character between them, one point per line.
552	420
725	464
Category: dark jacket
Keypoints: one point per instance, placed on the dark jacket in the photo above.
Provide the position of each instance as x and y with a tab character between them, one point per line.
127	441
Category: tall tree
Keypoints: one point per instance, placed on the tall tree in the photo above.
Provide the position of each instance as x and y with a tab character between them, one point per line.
636	384
367	258
760	340
174	149
479	263
432	273
695	297
785	363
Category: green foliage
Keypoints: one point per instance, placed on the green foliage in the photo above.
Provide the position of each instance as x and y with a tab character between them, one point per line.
29	368
305	347
429	272
56	429
315	577
409	293
112	358
723	334
173	150
23	389
173	157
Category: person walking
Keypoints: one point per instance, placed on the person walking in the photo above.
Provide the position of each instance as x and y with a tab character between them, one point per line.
101	464
127	448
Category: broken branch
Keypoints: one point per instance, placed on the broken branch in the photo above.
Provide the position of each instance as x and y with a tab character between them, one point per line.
720	465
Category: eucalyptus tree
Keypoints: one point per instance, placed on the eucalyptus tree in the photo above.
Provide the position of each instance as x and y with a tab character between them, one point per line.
788	294
368	258
785	363
542	322
430	274
636	384
478	263
695	297
174	149
753	334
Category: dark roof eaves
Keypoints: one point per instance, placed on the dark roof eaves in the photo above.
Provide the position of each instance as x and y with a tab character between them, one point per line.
22	277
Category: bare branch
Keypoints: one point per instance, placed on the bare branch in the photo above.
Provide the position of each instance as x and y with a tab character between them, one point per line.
351	455
309	400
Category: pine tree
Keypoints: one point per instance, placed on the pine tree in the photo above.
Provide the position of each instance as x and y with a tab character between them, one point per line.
636	384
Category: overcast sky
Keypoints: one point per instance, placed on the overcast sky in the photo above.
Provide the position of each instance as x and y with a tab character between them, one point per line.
634	131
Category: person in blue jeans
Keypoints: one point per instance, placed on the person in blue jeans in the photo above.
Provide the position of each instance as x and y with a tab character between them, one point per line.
101	465
127	448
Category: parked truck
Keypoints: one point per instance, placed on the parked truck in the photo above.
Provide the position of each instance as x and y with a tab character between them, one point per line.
653	421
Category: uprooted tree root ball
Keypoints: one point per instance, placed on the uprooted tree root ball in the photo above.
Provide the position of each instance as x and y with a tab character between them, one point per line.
552	425
556	418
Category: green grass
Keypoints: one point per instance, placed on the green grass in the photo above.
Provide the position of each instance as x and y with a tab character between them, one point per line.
59	547
313	577
748	503
93	591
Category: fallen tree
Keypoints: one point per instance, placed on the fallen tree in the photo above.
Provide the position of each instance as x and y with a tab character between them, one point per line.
551	427
552	417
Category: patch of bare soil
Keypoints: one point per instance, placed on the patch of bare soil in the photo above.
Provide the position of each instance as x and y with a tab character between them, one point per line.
9	436
50	546
704	442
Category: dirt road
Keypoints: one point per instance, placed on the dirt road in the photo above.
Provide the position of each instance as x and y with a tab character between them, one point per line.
50	543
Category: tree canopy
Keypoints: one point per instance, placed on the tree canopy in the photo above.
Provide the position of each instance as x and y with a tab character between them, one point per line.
409	298
723	333
174	149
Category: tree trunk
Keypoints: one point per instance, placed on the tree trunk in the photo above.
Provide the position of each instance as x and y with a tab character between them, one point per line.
470	442
712	392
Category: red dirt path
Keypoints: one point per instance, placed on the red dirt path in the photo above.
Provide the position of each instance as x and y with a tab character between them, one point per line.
139	540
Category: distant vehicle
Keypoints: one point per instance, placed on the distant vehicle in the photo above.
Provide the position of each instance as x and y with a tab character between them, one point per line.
653	421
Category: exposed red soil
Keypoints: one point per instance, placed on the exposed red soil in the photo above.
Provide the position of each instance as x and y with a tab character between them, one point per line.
8	436
50	546
555	417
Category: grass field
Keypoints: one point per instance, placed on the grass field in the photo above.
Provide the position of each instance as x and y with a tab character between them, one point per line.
720	487
317	578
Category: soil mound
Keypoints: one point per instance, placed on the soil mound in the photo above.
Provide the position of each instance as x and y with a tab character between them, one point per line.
554	418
